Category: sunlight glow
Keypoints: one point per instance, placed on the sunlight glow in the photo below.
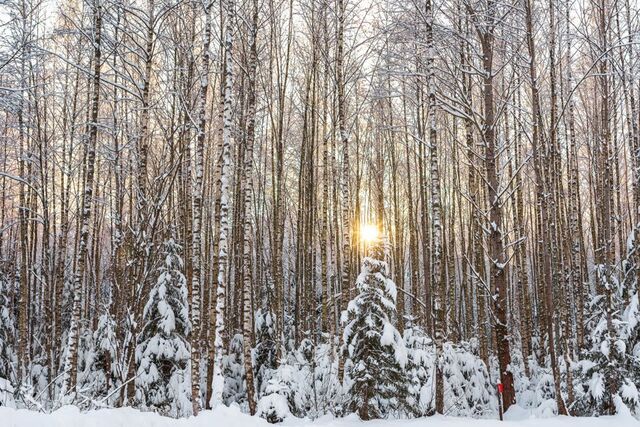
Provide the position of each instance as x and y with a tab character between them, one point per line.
368	232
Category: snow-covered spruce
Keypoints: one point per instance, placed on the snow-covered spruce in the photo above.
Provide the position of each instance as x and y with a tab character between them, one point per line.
8	360
264	353
479	396
377	383
234	386
609	370
162	354
98	375
326	386
281	395
289	390
419	369
105	347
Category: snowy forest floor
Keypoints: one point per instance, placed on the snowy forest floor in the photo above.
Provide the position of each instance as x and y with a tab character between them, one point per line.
71	416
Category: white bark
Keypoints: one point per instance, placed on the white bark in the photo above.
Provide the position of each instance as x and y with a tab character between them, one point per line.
227	141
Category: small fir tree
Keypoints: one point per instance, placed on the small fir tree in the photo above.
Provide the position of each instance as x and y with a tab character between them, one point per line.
608	365
234	387
8	360
479	392
265	360
162	353
419	369
378	385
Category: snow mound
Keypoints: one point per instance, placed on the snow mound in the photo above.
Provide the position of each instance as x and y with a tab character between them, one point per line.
70	416
516	413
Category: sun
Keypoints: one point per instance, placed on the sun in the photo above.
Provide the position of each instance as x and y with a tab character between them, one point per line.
368	232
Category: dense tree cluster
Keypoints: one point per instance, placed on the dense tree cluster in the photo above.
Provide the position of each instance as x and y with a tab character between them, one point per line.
395	208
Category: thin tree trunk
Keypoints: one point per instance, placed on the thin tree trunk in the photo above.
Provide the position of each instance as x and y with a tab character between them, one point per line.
71	360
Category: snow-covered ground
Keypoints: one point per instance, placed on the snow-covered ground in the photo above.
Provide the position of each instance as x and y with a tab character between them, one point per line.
70	416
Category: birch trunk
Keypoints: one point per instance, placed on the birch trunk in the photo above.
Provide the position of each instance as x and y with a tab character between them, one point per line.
196	280
71	361
247	329
225	176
